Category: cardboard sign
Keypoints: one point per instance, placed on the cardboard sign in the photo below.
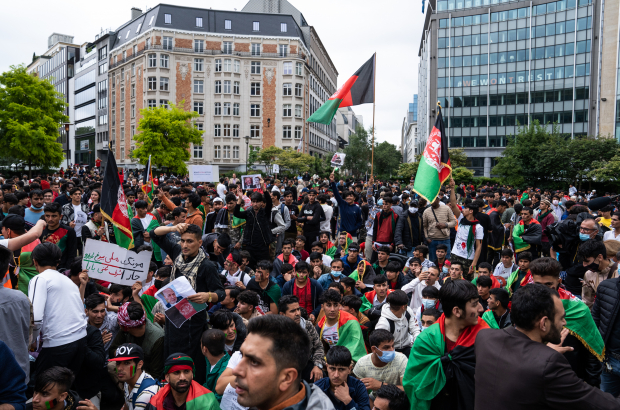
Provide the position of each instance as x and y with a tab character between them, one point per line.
114	264
276	168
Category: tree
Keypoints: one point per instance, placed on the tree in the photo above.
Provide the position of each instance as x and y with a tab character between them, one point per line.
462	174
458	157
606	171
408	169
31	112
166	135
269	156
296	162
252	155
387	158
358	152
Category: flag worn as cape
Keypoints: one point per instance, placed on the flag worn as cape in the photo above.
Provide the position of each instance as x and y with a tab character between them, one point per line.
533	234
425	376
27	270
359	89
349	334
434	167
114	205
489	317
496	284
513	278
368	298
580	324
149	300
148	186
198	398
364	272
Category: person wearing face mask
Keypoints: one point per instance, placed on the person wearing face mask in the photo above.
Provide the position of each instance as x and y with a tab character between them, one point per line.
400	320
334	276
570	259
429	277
153	307
596	258
429	318
411	232
557	208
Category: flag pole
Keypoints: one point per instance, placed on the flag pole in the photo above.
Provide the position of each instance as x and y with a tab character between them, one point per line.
374	87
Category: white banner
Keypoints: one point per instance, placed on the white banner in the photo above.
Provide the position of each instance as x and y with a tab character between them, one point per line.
276	168
204	173
338	159
115	264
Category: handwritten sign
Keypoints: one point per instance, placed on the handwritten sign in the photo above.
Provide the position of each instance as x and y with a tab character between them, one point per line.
115	264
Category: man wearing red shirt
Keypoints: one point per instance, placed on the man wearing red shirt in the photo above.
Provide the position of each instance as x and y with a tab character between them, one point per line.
308	290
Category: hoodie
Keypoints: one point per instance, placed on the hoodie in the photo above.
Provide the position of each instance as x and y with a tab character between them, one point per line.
405	331
314	399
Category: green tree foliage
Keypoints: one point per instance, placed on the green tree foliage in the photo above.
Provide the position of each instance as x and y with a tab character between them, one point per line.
358	152
268	156
540	156
458	157
166	135
31	112
296	162
387	159
462	174
606	171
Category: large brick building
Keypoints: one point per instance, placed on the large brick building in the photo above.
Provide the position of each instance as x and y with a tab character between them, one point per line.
246	74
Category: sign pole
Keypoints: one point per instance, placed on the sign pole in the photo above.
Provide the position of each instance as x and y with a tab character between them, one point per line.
374	86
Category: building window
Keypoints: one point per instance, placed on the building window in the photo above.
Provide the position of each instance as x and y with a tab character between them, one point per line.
132	130
152	103
103	68
298	111
283	28
152	60
198	150
226	86
255	49
227	130
226	111
255	89
123	94
133	111
255	67
227	65
198	62
227	25
216	152
167	18
122	153
198	86
163	83
288	67
135	50
286	132
217	130
122	133
167	43
235	152
236	109
163	103
199	46
165	59
236	131
237	66
218	108
133	91
286	110
198	107
228	47
297	90
124	54
218	65
148	41
298	69
297	132
103	52
254	131
218	87
226	152
283	50
152	84
255	110
236	87
256	26
199	24
287	89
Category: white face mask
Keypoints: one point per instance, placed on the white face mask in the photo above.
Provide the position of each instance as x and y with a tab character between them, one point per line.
413	210
428	303
424	328
555	202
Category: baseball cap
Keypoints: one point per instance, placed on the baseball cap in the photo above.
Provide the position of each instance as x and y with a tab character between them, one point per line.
13	222
128	351
218	199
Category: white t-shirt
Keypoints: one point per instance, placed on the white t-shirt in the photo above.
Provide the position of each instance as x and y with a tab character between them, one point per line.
501	270
326	224
80	219
221	191
233	279
229	398
611	235
327	261
330	334
460	243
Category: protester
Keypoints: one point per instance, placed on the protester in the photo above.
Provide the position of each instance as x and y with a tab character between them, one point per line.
52	390
308	290
213	344
399	319
267	290
438	220
12	381
498	315
390	397
101	318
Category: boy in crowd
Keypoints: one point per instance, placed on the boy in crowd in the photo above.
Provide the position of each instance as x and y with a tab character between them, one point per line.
506	266
213	345
306	289
248	306
484	286
229	304
498	315
430	300
440	252
399	319
352	304
266	289
139	386
484	269
396	280
427	278
429	318
518	277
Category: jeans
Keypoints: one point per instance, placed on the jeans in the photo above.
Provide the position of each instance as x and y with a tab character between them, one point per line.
610	379
432	248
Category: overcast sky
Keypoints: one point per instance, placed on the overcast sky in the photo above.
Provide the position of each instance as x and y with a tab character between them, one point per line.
351	31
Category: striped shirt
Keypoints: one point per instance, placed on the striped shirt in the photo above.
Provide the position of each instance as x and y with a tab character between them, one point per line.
145	395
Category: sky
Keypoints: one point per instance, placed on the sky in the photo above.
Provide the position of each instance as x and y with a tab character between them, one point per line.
350	30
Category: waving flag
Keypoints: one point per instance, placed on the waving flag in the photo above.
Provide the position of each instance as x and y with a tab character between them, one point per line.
148	186
359	89
434	167
114	205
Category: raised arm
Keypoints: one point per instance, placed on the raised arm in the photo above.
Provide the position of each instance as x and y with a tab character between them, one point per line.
32	235
455	209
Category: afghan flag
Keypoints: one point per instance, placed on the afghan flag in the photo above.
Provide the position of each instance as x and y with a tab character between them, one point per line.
425	377
349	334
369	298
514	276
489	317
198	398
149	300
580	324
27	270
148	187
434	167
114	205
149	223
359	89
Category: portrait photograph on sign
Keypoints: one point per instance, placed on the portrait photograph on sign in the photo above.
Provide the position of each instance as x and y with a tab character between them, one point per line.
250	181
177	307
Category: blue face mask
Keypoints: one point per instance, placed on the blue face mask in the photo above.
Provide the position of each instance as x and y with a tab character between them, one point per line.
380	202
428	303
583	236
387	357
336	273
445	269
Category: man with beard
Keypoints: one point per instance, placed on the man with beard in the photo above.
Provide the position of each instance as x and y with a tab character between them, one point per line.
545	379
182	392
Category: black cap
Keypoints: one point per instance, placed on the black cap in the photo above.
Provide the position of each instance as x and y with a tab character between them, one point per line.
13	222
128	351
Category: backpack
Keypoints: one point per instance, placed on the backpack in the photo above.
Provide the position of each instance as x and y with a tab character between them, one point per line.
561	234
393	325
145	383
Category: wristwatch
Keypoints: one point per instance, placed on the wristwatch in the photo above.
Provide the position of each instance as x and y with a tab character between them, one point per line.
320	366
210	297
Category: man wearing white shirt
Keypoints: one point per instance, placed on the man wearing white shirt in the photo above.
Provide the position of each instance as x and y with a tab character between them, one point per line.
429	277
329	212
615	227
58	311
572	190
221	189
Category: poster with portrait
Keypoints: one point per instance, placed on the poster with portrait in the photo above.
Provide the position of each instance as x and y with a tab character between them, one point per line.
338	159
174	298
250	181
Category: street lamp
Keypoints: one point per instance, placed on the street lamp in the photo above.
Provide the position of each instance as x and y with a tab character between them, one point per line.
247	152
66	125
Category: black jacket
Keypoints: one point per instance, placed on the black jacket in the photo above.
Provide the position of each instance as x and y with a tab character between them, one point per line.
315	210
138	232
605	313
88	380
257	230
411	233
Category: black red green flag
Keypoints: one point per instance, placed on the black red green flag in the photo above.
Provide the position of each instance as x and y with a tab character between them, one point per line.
114	205
148	186
359	89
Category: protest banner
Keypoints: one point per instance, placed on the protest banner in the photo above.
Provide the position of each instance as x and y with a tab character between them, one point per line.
250	181
115	264
338	159
177	307
204	173
275	168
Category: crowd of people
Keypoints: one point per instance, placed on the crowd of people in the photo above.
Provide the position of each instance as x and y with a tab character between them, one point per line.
321	294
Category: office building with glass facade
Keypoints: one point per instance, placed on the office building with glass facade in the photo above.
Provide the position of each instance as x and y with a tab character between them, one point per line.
496	65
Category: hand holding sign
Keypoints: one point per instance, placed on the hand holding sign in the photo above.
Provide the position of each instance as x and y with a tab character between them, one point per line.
338	160
114	264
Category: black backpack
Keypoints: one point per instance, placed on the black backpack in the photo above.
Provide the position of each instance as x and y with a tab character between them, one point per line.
393	325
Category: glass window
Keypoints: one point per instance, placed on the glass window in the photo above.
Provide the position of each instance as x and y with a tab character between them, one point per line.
286	132
199	24
227	65
226	86
197	151
288	67
255	26
218	108
152	60
164	60
163	84
167	19
255	49
283	50
227	25
198	107
236	110
299	69
255	67
286	110
236	66
287	89
283	27
198	86
226	130
254	131
217	130
255	89
218	65
218	87
227	47
297	132
298	111
152	83
167	43
199	46
255	110
236	87
198	63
